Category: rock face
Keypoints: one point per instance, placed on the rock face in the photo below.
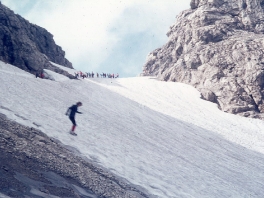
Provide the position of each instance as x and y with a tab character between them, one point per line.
34	165
217	46
26	45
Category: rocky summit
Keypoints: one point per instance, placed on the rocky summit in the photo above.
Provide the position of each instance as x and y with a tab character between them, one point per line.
217	46
28	46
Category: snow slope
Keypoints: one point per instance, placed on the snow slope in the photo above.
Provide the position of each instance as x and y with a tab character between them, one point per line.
158	135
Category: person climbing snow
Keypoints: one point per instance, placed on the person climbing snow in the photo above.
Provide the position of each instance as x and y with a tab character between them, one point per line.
71	113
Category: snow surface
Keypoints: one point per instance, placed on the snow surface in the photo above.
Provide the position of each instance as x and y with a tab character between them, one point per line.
158	135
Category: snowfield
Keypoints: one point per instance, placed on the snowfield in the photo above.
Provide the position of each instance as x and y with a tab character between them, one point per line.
158	135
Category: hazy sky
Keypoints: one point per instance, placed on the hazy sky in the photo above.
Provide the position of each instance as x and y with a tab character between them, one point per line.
113	36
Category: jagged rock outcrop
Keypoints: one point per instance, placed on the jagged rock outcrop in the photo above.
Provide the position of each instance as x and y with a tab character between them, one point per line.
33	164
217	46
28	46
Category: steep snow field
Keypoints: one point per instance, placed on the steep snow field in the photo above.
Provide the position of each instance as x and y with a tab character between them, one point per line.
158	135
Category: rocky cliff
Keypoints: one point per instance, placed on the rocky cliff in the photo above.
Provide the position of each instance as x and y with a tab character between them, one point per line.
28	46
217	46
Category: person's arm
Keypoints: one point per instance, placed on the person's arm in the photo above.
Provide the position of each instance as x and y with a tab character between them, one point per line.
78	112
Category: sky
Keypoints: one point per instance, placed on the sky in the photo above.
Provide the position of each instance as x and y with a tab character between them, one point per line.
104	36
158	135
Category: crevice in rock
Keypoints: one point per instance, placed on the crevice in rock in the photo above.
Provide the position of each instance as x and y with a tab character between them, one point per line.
244	5
255	104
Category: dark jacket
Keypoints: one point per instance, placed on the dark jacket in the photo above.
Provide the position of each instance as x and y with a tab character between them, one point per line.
72	110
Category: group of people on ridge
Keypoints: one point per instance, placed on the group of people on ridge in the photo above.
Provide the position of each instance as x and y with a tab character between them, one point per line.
92	75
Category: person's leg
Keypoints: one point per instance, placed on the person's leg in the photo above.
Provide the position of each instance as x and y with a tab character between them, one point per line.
73	122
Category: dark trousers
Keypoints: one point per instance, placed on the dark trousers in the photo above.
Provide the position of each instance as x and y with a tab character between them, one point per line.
73	121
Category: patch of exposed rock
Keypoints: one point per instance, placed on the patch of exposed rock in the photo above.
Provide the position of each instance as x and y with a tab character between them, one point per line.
34	165
217	46
28	46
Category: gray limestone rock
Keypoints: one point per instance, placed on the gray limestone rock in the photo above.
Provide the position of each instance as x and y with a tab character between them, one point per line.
28	46
217	46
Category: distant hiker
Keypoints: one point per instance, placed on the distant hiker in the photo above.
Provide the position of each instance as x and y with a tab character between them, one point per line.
71	113
42	75
36	74
76	75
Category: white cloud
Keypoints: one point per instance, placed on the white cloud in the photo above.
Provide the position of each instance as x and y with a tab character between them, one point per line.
89	30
